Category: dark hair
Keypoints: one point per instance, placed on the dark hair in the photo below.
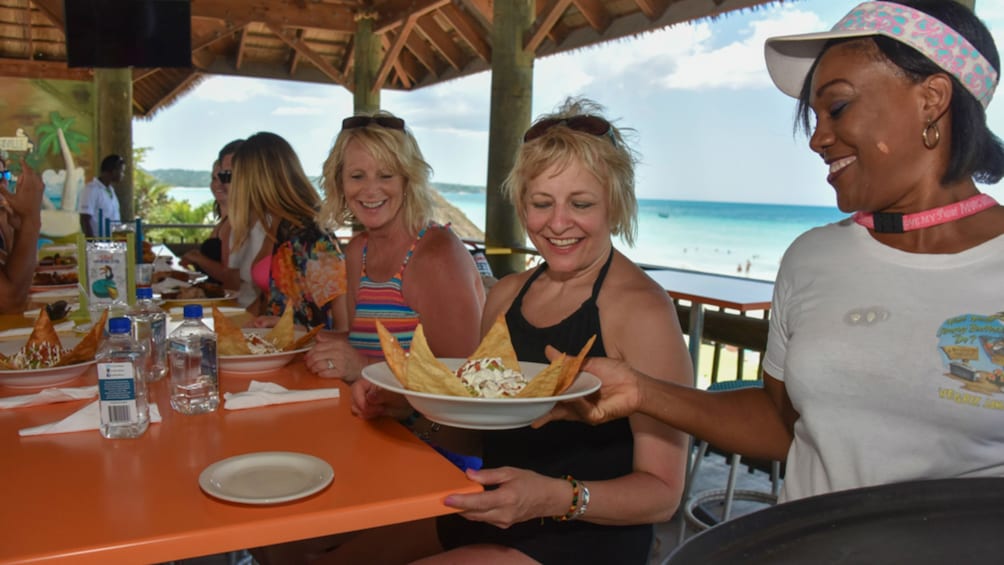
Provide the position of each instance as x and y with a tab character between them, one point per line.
230	148
976	152
111	162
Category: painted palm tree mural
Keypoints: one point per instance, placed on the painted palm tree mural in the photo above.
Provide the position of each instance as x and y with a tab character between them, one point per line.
59	216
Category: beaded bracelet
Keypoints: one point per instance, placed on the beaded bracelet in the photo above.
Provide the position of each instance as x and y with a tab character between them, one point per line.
574	507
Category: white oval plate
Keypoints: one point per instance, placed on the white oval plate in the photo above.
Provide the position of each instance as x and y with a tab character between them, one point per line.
267	477
39	378
481	413
254	364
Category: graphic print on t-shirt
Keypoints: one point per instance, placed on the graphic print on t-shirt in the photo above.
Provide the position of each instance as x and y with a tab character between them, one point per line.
972	348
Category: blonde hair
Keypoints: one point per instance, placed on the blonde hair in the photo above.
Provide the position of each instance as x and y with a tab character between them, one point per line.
606	156
394	149
268	182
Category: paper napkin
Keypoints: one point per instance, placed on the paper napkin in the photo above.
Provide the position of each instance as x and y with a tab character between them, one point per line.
87	418
265	394
18	332
50	396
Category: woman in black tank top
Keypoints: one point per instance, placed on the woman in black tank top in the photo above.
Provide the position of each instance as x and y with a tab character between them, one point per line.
633	467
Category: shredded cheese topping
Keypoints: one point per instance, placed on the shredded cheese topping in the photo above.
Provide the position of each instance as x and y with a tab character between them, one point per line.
489	378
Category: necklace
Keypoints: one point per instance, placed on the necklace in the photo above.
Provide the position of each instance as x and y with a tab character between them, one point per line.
885	222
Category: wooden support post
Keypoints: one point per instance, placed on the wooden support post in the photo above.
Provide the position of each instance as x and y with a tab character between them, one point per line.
113	115
366	99
512	90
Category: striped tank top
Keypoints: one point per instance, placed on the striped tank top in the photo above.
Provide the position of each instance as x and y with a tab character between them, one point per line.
383	301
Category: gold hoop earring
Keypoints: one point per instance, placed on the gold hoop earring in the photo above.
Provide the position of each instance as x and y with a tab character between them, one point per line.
931	140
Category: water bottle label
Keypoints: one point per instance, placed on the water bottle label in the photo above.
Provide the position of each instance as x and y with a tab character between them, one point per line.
208	367
484	267
117	392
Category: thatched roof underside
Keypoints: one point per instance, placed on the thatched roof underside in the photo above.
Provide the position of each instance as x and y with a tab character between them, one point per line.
423	42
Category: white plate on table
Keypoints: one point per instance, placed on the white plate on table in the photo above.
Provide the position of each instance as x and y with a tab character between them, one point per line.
179	311
267	477
262	362
481	413
40	378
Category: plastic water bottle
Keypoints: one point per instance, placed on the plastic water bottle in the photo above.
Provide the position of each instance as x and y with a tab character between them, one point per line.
149	327
122	396
191	353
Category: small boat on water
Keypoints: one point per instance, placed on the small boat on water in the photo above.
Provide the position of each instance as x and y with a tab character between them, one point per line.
663	214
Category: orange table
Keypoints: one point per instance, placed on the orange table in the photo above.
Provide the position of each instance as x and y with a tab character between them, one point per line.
80	498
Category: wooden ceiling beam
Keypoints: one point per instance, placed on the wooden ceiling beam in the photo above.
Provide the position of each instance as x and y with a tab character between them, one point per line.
313	15
239	52
53	9
422	52
412	68
25	68
441	42
558	31
295	59
393	51
482	9
314	57
594	12
179	88
468	29
391	63
653	9
395	17
546	21
202	41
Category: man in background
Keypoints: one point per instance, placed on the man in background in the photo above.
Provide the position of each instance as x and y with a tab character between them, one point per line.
98	201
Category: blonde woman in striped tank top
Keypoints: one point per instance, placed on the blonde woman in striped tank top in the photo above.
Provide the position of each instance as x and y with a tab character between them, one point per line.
402	269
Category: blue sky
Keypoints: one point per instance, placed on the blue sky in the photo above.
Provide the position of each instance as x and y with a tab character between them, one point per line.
709	124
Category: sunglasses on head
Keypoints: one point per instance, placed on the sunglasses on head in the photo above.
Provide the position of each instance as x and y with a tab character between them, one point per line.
593	125
225	176
353	122
5	175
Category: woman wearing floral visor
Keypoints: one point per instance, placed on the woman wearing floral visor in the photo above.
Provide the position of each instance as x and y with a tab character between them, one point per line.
884	359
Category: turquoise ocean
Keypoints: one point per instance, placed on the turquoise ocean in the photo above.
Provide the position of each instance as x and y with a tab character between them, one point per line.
714	237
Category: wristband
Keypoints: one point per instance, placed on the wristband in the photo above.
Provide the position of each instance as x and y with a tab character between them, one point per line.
584	494
574	507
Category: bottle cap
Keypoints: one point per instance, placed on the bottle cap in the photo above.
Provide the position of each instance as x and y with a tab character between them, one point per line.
119	326
193	311
144	293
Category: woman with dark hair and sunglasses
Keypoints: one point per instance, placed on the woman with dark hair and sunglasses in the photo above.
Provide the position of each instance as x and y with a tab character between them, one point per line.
20	224
213	255
885	357
299	264
569	493
402	268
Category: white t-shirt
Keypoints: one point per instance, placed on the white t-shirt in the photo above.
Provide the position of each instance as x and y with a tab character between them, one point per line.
894	361
97	197
243	259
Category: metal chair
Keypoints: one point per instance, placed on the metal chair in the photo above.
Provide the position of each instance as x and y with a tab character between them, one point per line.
692	506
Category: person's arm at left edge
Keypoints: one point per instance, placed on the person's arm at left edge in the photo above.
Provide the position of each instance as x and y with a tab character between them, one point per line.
22	257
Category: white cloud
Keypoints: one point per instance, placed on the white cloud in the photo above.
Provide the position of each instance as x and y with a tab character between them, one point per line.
230	89
739	64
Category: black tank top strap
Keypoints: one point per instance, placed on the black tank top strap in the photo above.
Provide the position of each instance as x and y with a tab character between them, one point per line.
602	275
517	302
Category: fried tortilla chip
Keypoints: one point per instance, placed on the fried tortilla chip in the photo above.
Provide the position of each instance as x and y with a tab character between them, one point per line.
428	374
87	348
4	363
558	376
393	353
229	336
498	343
304	339
282	334
44	338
